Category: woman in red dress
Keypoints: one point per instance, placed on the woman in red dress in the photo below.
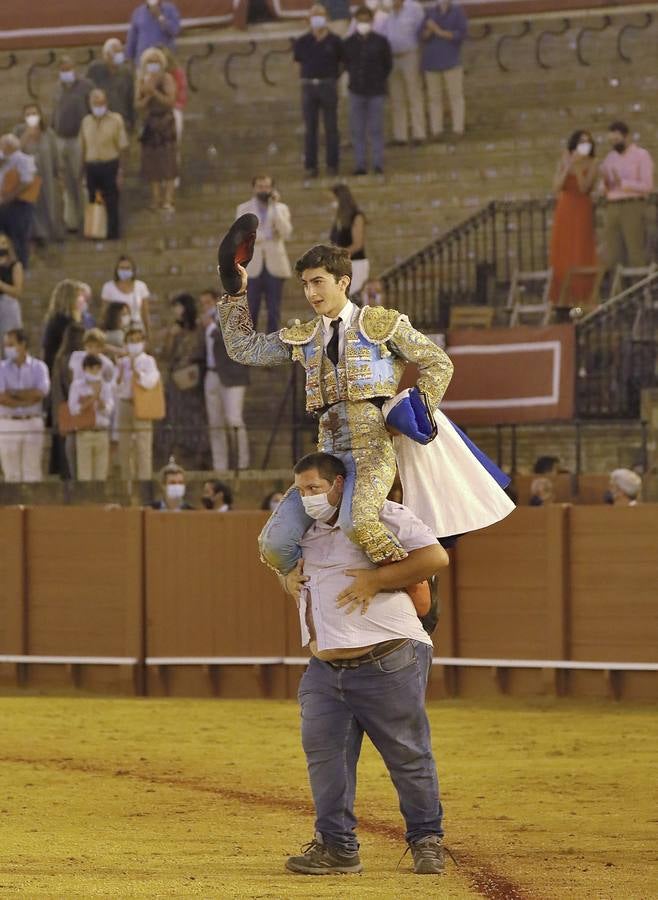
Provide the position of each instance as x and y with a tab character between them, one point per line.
573	241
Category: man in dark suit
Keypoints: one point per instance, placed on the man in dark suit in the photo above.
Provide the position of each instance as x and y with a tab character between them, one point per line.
225	383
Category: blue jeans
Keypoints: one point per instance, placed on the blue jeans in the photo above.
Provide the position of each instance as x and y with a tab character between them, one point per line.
367	125
268	286
386	700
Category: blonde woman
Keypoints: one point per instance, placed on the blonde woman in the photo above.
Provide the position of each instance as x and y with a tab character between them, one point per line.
68	303
156	98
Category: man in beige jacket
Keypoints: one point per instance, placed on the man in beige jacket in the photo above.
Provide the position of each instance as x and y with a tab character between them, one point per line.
270	265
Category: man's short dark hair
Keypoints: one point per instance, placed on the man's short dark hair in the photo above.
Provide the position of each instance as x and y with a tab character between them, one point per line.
621	127
91	361
172	468
362	12
335	260
219	487
545	464
327	465
19	334
261	177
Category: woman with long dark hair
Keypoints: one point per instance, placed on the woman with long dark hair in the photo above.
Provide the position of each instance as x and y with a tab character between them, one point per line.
573	241
349	231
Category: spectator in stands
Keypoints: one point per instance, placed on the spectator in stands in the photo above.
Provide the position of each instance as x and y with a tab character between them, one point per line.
114	76
541	491
135	435
177	72
402	28
67	304
38	140
127	289
116	319
104	149
217	496
443	33
372	293
379	15
573	240
625	486
269	266
546	465
172	480
70	107
24	384
62	447
156	99
185	433
91	391
369	62
349	231
11	288
627	174
155	23
225	384
18	193
93	344
319	53
271	501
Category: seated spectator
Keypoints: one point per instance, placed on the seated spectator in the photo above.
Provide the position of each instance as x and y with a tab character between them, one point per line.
11	287
172	480
156	98
116	319
217	496
104	151
39	141
546	465
90	390
153	24
114	76
135	435
625	487
541	491
93	344
24	384
271	501
126	288
18	174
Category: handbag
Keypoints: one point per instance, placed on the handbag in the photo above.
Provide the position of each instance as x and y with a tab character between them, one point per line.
187	377
149	403
95	226
68	423
29	194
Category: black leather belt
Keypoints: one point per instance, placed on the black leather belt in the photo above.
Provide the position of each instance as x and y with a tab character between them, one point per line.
378	652
378	402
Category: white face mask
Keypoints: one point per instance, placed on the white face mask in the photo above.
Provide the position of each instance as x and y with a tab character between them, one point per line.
136	348
125	274
175	491
584	149
32	121
124	321
363	28
90	376
153	67
11	352
119	58
67	77
318	22
152	3
99	111
317	506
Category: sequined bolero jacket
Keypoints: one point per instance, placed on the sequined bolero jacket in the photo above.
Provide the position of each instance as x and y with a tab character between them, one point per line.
378	344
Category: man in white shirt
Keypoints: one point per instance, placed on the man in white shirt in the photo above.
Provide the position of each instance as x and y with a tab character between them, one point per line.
368	673
90	390
135	435
24	384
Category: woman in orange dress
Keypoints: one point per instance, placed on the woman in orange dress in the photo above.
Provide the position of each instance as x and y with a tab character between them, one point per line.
573	241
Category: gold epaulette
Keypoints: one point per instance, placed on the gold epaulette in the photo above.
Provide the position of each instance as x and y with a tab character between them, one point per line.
300	333
378	324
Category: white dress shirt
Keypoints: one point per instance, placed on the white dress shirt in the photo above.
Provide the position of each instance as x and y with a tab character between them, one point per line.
81	388
211	328
327	552
147	374
345	316
31	376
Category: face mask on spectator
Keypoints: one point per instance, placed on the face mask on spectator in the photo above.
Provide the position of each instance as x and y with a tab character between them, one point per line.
363	28
99	111
125	274
124	321
135	348
152	2
317	506
119	58
584	148
153	67
11	352
93	376
32	120
318	22
67	77
175	491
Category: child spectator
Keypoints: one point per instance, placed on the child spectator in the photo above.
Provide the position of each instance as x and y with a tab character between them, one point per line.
90	390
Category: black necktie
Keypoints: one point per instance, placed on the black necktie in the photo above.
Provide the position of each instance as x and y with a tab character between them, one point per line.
332	346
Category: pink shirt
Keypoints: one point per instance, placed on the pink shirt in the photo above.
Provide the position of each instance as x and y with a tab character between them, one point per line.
628	174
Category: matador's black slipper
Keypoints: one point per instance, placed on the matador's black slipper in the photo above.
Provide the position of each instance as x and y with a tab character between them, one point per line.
236	248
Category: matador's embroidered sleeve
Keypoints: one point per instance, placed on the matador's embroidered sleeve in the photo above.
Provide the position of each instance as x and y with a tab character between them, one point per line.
434	364
243	344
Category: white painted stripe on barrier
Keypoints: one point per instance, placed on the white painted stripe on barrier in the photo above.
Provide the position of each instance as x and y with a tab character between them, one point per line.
544	664
70	660
214	660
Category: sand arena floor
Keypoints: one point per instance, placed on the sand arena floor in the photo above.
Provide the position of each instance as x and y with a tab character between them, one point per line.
205	798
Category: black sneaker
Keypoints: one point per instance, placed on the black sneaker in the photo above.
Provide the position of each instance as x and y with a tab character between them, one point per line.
428	855
319	859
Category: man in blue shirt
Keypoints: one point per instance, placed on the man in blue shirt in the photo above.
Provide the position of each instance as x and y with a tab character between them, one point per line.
153	24
443	32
